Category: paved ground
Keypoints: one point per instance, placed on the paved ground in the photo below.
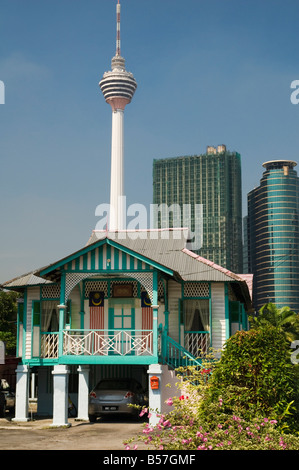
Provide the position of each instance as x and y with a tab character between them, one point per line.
106	434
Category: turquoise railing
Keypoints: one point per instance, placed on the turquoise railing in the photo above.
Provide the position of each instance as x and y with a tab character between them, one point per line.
175	355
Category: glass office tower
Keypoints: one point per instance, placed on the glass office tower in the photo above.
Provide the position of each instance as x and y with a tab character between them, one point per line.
210	185
273	236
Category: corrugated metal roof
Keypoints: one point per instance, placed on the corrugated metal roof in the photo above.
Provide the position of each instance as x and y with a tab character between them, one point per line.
168	248
164	246
29	279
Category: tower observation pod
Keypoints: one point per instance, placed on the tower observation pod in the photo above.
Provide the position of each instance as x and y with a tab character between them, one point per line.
118	87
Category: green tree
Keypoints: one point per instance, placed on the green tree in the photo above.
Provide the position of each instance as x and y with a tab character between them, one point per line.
255	376
8	320
284	319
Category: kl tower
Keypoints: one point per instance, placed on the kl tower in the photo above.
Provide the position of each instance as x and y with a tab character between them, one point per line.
118	87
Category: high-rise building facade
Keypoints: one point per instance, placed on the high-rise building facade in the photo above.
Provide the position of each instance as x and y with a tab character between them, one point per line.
273	236
212	181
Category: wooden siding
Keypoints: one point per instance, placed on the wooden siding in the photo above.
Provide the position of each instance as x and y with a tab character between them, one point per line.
174	294
33	293
218	315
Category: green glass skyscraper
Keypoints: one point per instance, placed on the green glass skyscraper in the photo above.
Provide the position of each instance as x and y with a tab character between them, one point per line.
273	236
211	181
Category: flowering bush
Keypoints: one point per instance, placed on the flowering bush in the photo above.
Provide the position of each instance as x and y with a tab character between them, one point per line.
247	400
182	429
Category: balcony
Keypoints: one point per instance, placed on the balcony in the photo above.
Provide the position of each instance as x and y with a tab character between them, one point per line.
97	343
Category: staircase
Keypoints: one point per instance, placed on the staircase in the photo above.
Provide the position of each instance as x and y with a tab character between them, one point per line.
175	355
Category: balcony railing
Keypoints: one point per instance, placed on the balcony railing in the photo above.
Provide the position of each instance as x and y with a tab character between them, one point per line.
49	345
197	342
98	343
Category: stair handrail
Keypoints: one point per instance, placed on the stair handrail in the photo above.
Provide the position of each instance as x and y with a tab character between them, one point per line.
179	355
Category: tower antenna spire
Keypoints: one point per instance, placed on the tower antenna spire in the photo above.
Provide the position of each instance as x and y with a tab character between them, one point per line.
118	87
118	28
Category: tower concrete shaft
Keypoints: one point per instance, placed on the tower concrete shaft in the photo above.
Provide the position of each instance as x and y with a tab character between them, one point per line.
118	87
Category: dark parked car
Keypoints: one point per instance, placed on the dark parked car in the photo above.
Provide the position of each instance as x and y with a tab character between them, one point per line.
112	396
7	398
2	405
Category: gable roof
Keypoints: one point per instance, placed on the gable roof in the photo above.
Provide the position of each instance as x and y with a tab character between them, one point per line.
165	249
168	247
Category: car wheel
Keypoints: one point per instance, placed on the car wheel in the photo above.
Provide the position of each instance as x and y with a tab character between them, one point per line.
92	418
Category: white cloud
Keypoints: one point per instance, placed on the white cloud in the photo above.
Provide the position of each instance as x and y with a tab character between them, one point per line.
19	67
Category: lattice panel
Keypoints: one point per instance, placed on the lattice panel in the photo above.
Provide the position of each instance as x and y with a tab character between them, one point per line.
51	292
196	289
91	286
160	289
72	279
146	280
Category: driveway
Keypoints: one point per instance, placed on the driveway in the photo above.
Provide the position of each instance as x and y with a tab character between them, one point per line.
105	434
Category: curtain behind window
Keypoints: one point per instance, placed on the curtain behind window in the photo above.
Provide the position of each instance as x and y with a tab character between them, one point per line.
196	315
50	316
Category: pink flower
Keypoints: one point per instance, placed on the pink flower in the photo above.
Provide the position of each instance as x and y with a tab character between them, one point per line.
235	418
142	412
147	430
169	402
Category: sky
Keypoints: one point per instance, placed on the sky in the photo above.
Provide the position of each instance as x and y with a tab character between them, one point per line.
209	72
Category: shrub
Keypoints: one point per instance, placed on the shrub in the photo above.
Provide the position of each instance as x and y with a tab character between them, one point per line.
184	429
245	400
255	377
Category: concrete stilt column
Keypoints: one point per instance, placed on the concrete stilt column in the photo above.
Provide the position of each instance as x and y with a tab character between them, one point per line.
60	396
22	393
83	393
155	396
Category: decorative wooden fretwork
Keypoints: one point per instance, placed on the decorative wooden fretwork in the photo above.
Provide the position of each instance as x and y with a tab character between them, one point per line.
196	289
51	291
96	285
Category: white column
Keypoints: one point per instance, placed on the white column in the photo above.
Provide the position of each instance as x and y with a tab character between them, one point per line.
116	221
60	396
22	393
83	393
155	396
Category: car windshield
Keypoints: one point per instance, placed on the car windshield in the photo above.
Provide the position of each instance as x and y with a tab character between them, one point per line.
114	385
